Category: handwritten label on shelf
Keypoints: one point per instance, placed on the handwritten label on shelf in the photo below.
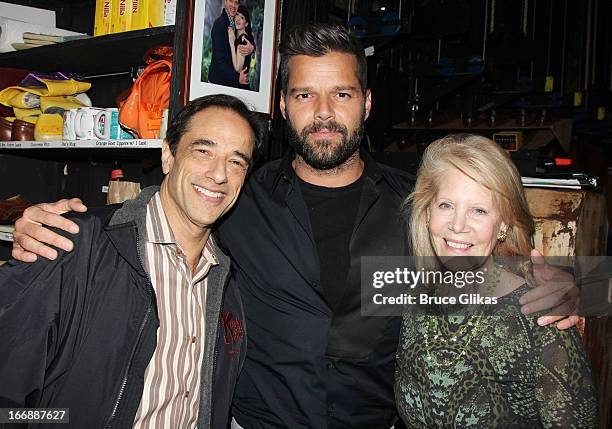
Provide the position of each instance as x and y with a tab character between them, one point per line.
40	145
123	143
83	144
11	145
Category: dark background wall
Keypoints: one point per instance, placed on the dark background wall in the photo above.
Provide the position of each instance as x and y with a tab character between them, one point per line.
438	59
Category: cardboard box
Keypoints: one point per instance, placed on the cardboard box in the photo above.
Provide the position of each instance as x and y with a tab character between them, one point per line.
32	15
122	16
140	15
103	19
156	12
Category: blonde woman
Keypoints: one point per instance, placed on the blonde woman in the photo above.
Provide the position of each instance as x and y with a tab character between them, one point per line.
470	366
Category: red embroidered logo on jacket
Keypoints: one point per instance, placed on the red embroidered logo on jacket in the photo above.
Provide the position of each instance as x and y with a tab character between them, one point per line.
233	330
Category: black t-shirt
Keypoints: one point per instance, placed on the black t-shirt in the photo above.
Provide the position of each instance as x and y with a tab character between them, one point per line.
332	218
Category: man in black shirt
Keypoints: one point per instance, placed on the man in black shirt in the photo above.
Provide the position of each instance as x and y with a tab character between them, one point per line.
296	237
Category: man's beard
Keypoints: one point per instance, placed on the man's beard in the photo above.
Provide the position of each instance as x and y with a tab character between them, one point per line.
325	154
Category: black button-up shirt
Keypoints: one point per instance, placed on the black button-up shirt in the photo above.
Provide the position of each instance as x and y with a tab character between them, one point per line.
308	366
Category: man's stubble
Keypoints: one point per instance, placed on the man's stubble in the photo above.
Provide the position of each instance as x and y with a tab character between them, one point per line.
319	154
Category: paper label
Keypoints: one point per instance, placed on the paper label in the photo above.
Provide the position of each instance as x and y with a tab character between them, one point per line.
577	99
550	83
601	113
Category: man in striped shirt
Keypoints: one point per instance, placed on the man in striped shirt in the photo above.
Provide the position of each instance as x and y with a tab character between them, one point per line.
136	327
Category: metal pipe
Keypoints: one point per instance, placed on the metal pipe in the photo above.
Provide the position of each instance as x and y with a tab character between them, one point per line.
587	48
550	23
492	23
525	16
563	46
348	11
533	33
93	76
595	24
533	29
485	30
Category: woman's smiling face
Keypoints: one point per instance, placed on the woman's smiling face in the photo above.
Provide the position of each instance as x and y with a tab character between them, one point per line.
240	21
463	218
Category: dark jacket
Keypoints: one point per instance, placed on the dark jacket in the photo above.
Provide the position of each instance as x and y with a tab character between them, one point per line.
221	70
309	366
79	332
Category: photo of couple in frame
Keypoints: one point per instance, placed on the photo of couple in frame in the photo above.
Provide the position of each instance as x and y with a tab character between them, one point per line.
233	50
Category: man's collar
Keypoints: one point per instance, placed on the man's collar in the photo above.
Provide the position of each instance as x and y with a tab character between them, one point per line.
159	230
230	19
286	172
158	227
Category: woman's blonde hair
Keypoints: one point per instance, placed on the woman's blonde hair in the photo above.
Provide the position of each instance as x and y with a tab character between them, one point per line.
486	163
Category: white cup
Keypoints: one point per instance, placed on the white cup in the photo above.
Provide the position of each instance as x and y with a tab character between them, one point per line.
106	124
84	122
69	118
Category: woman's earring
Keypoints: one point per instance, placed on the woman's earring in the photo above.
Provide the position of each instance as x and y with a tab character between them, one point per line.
501	237
427	224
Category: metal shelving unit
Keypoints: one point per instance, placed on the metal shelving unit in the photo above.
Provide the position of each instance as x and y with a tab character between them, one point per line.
112	53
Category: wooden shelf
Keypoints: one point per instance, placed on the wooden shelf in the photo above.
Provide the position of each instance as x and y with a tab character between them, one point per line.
84	144
558	128
113	53
458	125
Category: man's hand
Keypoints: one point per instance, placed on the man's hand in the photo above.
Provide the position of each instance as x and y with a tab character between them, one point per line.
30	236
556	291
246	49
244	76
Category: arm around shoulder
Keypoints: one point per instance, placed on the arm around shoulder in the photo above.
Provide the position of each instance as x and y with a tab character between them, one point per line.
36	302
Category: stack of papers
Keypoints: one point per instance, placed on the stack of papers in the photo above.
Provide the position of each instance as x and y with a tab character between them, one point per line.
33	40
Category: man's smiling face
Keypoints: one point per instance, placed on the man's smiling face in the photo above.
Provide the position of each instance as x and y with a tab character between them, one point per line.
208	169
231	7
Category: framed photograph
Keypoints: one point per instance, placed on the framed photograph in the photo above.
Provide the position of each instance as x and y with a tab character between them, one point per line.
232	50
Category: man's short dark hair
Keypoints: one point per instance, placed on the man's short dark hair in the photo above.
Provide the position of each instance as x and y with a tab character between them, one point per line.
180	122
316	40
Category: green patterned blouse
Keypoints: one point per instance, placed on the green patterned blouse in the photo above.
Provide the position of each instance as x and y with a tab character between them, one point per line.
507	373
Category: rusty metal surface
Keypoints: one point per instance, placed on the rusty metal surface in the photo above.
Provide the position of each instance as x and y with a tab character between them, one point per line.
574	223
568	223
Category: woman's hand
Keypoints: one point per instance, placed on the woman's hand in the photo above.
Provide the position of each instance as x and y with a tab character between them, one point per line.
244	76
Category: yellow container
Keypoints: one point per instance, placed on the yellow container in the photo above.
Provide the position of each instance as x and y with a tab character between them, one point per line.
156	12
49	127
103	19
98	19
122	16
140	15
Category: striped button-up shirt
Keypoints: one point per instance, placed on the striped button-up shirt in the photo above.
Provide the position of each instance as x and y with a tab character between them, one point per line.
171	391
